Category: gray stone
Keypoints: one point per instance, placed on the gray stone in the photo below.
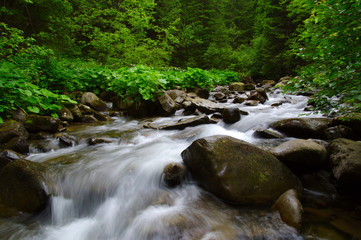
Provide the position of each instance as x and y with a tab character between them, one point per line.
91	100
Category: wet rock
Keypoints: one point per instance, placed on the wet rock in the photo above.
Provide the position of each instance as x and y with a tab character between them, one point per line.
167	106
231	115
249	86
12	129
220	96
204	105
66	115
268	83
174	174
251	103
189	122
302	127
318	190
95	141
267	134
138	109
257	96
17	144
352	121
75	111
88	111
40	136
290	208
67	141
216	116
46	145
236	86
22	187
89	119
7	156
36	123
239	99
262	92
107	96
301	155
340	131
345	158
222	89
19	115
91	100
238	172
202	93
178	96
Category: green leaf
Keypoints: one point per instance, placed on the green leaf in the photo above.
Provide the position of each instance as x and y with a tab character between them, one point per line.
33	109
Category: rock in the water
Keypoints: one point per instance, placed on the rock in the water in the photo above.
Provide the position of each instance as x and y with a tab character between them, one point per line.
231	115
174	174
95	141
220	96
251	103
267	134
238	172
75	111
249	86
352	121
167	104
255	95
36	123
189	122
268	83
88	111
7	156
22	187
66	115
203	93
204	105
301	155
177	95
67	141
89	119
12	129
345	157
17	144
339	131
239	99
236	86
91	100
290	209
302	127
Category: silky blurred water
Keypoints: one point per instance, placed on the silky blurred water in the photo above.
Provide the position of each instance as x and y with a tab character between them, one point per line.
114	190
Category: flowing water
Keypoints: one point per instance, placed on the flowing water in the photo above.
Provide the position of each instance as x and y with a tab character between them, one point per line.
115	191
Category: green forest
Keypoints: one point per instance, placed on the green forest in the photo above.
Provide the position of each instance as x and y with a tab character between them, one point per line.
52	48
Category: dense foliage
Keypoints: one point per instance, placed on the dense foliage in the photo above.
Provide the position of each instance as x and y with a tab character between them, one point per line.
52	47
329	41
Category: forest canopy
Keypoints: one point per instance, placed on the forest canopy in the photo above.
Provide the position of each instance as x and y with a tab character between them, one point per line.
41	40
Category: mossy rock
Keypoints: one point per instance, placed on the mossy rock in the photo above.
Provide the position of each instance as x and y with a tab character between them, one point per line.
238	172
93	101
22	186
12	129
37	123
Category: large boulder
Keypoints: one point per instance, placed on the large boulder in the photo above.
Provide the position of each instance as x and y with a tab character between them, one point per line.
22	187
290	208
167	106
91	100
301	155
231	115
36	123
345	158
12	129
238	172
302	127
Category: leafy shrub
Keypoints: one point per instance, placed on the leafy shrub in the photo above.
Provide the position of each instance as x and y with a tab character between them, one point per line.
196	77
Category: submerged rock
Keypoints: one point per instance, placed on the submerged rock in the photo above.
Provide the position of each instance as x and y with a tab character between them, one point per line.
302	127
238	172
231	115
345	158
92	100
290	208
174	174
22	187
301	155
